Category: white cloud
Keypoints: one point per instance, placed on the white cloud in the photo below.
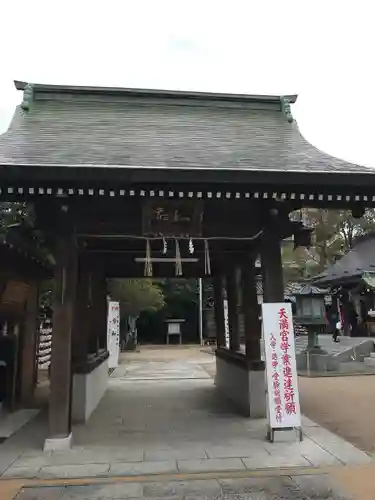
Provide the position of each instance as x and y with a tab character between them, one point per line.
320	49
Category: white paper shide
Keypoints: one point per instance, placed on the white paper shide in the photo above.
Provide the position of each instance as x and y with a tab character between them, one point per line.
281	371
113	334
226	324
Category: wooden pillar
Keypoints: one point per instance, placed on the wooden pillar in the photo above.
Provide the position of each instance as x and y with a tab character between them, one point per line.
219	310
99	306
61	369
253	329
29	332
272	268
81	325
232	297
102	313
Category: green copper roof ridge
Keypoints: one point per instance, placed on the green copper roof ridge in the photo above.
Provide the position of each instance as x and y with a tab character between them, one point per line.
28	97
285	108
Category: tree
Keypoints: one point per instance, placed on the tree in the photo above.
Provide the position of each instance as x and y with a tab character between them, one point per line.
135	296
335	232
15	214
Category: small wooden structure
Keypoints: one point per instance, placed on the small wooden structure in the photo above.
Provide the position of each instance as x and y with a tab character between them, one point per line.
174	329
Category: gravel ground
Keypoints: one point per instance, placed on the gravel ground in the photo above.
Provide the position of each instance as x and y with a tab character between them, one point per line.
344	405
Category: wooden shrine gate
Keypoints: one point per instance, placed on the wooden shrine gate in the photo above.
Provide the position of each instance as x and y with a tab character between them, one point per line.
125	180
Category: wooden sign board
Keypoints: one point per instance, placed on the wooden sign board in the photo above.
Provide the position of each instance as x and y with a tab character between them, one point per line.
113	334
283	405
172	218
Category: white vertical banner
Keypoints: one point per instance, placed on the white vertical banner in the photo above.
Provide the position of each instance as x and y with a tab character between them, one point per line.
113	334
226	324
281	370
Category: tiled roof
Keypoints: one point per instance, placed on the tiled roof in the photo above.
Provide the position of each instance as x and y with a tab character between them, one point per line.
351	266
152	129
291	289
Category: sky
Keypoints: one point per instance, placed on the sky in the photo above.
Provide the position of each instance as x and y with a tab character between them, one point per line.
322	50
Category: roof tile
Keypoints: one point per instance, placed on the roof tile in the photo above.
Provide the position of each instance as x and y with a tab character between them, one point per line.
140	132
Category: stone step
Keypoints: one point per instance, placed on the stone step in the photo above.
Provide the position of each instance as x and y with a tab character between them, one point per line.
372	355
370	361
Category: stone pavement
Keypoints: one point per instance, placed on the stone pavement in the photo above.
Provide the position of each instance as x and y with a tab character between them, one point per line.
162	416
346	344
297	487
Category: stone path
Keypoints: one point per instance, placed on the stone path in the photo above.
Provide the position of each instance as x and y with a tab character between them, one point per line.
163	418
336	349
13	422
299	487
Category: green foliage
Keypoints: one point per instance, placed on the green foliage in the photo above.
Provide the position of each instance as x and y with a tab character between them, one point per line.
335	232
181	297
15	215
177	289
136	295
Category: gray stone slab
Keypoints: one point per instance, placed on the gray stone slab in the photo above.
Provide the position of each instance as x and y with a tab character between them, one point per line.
349	454
21	472
141	468
274	488
319	458
308	449
320	487
174	454
46	493
117	491
7	459
307	422
210	465
321	435
342	450
276	461
99	455
204	488
13	422
74	471
255	449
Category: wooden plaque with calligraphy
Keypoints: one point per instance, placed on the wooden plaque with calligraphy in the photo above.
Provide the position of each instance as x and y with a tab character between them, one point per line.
172	218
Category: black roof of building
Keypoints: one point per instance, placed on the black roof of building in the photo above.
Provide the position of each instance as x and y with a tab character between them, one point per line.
120	131
292	289
351	267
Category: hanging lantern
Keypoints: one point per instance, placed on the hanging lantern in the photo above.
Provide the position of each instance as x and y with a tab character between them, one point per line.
302	237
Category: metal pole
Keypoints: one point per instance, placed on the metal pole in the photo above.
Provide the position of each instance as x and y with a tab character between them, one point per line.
200	289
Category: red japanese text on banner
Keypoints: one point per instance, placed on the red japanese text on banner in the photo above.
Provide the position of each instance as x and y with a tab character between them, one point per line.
281	371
